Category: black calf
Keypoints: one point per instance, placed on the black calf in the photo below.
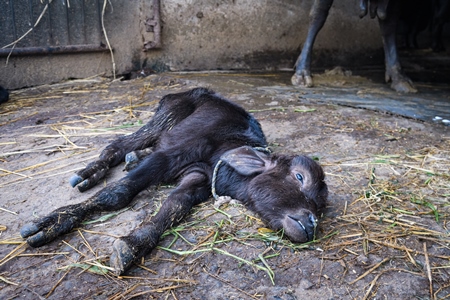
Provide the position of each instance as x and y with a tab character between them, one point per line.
191	134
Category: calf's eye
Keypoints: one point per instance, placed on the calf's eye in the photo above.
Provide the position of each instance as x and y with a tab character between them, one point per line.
299	177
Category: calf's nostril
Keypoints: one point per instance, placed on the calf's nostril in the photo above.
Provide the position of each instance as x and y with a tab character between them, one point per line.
303	225
313	219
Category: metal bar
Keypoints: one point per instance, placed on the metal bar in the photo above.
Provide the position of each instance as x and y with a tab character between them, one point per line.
53	50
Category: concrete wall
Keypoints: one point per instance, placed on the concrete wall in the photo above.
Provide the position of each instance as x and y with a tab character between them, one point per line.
244	34
206	35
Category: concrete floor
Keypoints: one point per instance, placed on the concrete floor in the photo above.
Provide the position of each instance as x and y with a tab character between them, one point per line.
364	89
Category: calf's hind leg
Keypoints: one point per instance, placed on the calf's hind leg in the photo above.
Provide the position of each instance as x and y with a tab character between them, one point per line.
115	196
133	158
193	189
115	153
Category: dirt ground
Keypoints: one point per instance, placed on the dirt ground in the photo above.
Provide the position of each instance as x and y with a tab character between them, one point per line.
384	235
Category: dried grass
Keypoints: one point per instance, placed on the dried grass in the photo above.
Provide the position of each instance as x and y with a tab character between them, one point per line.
398	217
379	221
403	218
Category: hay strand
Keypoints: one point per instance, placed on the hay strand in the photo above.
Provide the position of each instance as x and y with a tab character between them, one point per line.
233	285
16	251
370	270
56	284
428	269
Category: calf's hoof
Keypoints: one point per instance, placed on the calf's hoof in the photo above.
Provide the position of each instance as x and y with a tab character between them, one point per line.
28	230
74	180
89	176
38	240
302	80
122	257
131	161
44	230
82	184
133	158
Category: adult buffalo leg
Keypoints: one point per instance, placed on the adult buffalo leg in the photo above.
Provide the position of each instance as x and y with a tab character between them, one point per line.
193	189
441	15
318	16
115	196
388	25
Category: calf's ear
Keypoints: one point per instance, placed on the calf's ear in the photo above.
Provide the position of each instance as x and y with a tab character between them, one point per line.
246	160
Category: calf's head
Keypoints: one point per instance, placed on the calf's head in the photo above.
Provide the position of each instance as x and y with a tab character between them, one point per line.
288	192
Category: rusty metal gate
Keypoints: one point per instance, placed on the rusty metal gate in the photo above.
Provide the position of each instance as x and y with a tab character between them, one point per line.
30	27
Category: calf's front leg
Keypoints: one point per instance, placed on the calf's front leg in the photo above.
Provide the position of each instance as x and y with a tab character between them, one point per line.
62	220
193	189
115	153
115	196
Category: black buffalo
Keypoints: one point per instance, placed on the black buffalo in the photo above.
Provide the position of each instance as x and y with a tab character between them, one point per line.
388	12
192	134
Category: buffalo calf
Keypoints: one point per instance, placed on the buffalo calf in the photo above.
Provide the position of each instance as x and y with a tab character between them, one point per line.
204	143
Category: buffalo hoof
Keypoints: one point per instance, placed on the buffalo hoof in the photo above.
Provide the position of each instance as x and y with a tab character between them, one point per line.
403	86
44	230
133	158
302	80
85	185
75	180
89	176
38	235
28	230
131	161
399	81
35	237
38	240
122	257
82	184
